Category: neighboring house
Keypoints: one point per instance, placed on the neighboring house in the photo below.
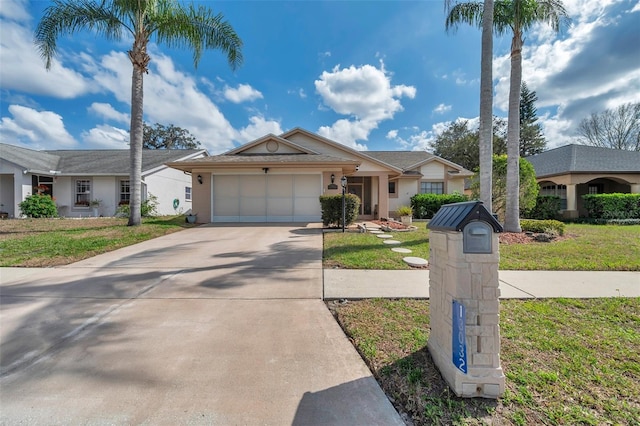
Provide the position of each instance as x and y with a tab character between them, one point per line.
76	177
572	171
280	179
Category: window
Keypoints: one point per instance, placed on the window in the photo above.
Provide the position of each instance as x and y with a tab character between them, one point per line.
187	193
556	190
83	193
125	192
432	187
392	190
596	188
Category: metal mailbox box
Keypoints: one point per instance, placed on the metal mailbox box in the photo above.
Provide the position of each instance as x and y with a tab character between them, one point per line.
476	238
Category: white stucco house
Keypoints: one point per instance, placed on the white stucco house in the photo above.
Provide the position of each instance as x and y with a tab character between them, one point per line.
77	177
280	179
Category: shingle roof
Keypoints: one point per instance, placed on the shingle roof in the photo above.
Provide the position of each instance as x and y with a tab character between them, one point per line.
582	158
400	159
90	162
270	158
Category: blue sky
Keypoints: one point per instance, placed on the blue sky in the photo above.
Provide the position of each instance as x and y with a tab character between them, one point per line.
377	75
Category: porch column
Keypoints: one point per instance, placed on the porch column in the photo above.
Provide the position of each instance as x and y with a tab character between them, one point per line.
383	196
572	202
635	188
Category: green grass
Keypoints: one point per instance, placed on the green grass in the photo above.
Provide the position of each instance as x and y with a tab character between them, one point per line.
587	248
566	361
53	242
366	251
583	248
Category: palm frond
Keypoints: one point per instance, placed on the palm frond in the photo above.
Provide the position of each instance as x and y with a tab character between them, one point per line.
465	13
69	17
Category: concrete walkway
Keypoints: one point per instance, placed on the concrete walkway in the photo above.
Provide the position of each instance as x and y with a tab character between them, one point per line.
362	284
212	325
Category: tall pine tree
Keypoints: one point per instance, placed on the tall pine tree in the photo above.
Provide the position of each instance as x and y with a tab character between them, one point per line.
532	140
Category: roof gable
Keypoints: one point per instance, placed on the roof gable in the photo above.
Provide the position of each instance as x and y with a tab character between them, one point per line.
270	144
584	159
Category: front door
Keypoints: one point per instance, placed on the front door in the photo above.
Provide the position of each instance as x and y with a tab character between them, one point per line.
357	189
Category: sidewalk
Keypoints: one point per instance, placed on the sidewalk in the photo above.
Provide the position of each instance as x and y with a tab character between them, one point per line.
364	284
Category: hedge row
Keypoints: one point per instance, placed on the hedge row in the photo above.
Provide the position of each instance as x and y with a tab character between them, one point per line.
426	205
612	206
331	206
538	226
547	207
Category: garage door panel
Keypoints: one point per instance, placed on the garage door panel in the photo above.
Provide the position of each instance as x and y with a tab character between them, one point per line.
266	198
280	186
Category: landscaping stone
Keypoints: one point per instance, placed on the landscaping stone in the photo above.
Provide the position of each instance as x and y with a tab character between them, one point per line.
401	250
391	242
384	236
415	261
376	232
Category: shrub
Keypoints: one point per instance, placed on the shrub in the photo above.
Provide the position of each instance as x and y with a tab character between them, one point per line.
547	207
404	211
148	207
37	205
331	206
426	205
549	226
612	206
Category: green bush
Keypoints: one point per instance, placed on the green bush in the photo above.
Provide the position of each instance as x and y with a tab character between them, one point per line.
547	207
532	225
426	205
612	206
331	206
148	207
38	206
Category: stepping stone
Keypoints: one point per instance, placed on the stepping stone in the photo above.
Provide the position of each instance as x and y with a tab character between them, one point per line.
384	236
376	232
400	249
415	261
391	242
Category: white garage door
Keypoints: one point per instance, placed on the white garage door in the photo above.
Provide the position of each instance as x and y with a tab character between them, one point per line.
266	198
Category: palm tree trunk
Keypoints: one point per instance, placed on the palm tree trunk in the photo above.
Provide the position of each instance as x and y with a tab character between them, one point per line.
486	107
512	211
135	146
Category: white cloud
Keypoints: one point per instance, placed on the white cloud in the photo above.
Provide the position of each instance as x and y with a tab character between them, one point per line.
106	111
15	10
23	69
243	93
365	94
392	134
170	97
442	108
39	129
106	137
258	128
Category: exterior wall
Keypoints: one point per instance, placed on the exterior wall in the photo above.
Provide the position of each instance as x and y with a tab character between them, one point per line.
276	148
7	198
433	171
405	189
455	185
21	187
169	184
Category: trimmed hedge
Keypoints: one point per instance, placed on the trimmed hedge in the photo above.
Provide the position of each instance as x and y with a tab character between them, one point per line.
331	206
426	205
547	207
612	206
538	226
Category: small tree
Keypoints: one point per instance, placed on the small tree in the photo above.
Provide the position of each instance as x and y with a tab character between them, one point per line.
528	185
37	206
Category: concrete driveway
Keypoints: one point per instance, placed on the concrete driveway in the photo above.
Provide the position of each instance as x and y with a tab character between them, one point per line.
216	325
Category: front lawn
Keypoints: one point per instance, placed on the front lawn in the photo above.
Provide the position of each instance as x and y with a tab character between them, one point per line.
585	248
566	361
54	242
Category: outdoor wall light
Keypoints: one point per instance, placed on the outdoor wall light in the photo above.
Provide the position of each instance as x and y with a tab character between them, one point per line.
265	169
200	179
333	177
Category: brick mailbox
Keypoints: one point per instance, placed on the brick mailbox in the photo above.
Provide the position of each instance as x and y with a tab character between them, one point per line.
464	299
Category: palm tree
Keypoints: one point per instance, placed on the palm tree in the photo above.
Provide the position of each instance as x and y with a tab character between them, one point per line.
516	16
486	103
167	21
